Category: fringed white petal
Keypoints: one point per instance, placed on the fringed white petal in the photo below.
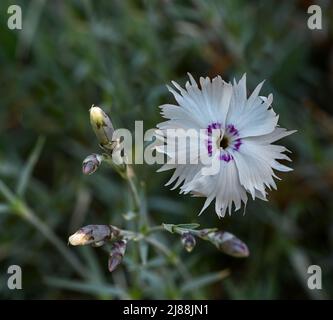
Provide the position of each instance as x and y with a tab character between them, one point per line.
247	163
255	162
225	187
253	116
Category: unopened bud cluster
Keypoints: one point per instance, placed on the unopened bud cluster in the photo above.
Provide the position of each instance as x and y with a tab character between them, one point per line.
93	234
104	130
116	254
102	126
98	235
188	241
229	244
224	241
91	163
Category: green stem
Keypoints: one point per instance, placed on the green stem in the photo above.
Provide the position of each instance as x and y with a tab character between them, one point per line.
162	248
170	255
139	235
132	185
155	229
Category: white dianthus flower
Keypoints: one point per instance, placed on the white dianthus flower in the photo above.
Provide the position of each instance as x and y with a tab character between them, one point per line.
238	132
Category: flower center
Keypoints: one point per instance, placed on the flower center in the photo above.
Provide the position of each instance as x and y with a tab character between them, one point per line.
227	141
223	142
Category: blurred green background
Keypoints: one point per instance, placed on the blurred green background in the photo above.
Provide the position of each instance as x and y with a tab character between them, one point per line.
119	55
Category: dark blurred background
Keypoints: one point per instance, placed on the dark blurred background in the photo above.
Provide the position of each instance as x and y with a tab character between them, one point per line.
119	55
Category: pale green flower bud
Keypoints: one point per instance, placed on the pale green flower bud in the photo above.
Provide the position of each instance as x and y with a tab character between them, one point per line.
102	127
93	234
229	244
91	163
188	241
116	255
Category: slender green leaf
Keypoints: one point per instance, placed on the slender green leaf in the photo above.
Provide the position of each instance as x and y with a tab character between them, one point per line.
6	192
143	249
188	226
205	280
27	171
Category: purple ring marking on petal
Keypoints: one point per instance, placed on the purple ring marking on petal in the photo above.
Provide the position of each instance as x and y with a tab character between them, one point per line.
226	157
237	144
210	128
232	130
214	125
210	150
